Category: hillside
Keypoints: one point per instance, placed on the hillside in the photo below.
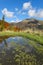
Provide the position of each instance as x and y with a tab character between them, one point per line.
29	23
23	25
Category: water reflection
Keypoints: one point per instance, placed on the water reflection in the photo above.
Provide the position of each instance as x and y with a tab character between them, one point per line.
18	51
5	43
13	42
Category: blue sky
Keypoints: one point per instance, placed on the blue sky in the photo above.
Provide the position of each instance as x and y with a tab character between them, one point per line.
17	10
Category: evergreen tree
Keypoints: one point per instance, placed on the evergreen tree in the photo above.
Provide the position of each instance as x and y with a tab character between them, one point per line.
3	19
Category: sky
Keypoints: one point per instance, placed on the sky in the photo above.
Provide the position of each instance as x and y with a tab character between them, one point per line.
18	10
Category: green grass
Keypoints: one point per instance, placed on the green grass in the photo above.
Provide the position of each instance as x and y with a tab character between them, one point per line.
39	47
34	37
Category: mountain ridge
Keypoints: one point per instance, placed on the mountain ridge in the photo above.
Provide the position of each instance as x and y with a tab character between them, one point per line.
25	24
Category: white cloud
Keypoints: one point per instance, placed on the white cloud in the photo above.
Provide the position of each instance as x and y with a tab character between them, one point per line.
23	13
40	13
12	21
7	13
27	5
16	20
20	11
35	13
16	9
32	13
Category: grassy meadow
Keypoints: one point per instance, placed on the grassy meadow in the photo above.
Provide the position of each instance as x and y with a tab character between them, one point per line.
36	37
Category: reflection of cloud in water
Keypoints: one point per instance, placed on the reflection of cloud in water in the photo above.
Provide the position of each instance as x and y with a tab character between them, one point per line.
13	42
17	37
